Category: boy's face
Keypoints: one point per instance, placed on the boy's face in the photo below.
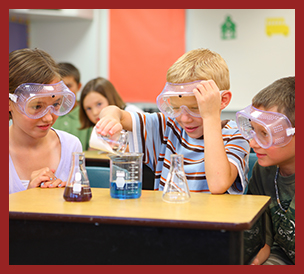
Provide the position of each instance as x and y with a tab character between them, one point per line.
192	125
274	155
71	84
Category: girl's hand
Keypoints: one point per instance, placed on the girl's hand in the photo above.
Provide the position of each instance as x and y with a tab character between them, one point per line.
45	178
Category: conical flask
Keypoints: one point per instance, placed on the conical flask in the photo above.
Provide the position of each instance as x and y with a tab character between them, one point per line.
77	188
176	188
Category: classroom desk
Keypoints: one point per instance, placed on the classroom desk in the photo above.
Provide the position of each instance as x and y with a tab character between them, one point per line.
45	229
94	158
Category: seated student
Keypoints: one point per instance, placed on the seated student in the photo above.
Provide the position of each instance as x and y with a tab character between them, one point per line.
39	156
96	95
71	121
215	153
269	124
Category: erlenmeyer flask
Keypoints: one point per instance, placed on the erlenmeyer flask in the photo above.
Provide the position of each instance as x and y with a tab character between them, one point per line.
78	188
176	188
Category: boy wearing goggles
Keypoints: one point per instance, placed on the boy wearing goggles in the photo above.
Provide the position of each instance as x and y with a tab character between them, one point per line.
39	156
215	153
269	125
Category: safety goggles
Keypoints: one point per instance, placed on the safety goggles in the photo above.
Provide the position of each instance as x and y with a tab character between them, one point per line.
265	127
176	98
35	100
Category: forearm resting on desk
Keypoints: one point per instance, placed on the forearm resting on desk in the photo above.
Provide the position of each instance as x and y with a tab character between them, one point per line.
262	255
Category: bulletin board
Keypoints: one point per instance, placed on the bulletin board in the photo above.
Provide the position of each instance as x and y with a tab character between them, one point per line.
257	44
143	44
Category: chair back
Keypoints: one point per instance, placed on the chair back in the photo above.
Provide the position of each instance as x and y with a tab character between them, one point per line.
99	176
252	159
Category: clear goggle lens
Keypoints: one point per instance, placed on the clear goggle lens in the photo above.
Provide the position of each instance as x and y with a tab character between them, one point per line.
265	127
36	100
178	97
173	106
258	132
59	104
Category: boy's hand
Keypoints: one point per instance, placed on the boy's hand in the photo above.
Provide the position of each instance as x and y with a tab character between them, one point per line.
108	125
255	261
113	120
208	98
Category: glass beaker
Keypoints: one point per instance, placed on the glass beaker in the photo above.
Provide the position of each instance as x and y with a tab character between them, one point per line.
116	144
77	188
176	189
126	175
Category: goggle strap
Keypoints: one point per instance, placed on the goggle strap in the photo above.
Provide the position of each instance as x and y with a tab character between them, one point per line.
13	97
290	131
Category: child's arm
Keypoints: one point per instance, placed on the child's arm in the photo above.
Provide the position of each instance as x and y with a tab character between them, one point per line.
262	256
112	120
220	173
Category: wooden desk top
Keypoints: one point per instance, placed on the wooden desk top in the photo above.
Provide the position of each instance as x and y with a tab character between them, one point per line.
203	211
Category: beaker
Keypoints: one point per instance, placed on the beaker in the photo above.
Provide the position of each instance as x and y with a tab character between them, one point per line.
126	175
77	188
176	189
116	144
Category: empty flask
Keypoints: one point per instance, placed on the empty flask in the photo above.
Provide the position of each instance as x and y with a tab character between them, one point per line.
176	189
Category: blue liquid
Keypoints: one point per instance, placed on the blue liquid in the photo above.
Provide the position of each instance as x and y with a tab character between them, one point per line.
131	190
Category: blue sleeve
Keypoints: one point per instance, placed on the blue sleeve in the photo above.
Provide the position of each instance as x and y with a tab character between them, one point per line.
237	150
147	135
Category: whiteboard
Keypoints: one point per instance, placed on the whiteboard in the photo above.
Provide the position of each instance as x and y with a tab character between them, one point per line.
254	58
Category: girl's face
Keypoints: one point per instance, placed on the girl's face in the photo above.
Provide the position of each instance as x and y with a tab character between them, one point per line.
93	103
36	128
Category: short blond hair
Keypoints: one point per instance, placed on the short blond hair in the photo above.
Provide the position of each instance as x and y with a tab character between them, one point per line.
200	64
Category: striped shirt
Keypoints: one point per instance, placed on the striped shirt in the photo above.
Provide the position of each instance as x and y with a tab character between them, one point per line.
158	137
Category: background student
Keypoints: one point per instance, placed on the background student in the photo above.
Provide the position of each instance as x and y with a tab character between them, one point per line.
71	121
96	95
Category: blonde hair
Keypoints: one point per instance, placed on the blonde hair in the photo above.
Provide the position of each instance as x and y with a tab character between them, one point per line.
200	64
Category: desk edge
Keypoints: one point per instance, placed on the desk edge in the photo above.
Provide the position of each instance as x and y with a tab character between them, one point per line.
135	221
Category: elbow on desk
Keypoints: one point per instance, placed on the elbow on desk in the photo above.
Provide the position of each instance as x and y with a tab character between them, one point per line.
217	188
217	192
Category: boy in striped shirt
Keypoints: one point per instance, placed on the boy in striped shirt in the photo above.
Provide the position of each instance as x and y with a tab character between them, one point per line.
215	153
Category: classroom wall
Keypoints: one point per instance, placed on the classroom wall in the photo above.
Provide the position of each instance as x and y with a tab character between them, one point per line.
81	42
254	58
144	43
